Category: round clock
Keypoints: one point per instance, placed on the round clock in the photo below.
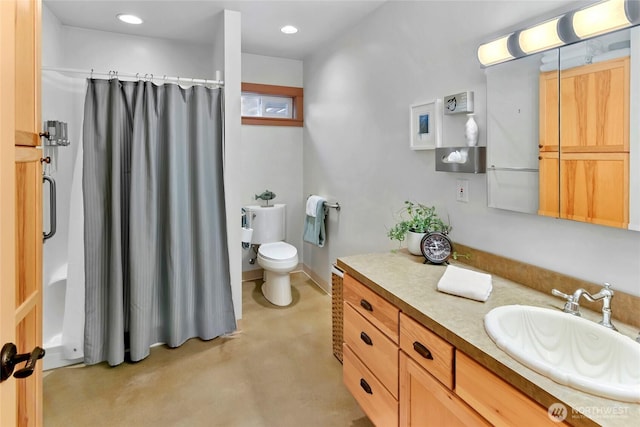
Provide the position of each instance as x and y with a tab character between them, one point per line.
436	247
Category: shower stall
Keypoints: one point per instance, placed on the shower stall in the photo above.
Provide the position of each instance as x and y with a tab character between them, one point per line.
63	96
62	99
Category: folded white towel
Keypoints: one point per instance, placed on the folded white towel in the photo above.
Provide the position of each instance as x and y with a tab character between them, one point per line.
465	283
312	205
618	53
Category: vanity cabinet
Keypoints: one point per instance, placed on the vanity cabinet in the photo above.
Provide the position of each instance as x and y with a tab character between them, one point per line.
427	402
370	352
494	399
590	148
401	373
427	381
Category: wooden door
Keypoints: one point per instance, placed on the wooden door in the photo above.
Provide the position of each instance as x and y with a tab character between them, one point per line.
548	188
548	117
594	187
594	107
21	198
549	145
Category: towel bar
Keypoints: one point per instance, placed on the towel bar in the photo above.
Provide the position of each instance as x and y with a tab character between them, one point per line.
335	205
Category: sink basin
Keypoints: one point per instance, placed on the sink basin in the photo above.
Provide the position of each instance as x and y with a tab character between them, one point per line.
570	350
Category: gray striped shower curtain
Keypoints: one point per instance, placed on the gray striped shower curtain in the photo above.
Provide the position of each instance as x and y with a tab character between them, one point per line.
156	260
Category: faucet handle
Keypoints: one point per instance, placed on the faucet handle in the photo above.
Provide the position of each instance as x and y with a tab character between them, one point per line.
561	294
571	306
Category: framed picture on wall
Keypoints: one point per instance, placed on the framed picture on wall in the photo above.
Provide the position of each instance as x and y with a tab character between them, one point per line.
425	130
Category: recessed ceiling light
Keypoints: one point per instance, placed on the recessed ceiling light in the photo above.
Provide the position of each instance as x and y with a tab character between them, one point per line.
289	29
129	19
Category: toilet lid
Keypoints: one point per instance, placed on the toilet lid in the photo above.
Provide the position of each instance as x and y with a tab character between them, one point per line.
277	250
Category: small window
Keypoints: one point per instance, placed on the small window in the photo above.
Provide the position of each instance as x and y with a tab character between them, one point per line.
271	105
255	105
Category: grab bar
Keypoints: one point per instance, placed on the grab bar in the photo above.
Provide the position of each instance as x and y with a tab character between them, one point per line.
52	207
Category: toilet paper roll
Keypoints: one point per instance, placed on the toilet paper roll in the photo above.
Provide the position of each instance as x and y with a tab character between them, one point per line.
246	234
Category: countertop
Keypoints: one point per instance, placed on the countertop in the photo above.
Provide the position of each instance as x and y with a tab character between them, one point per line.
407	282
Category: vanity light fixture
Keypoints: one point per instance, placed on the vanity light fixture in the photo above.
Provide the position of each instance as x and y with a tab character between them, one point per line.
129	19
540	37
495	51
289	29
599	18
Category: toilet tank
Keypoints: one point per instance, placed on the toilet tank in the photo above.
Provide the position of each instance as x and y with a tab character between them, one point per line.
268	223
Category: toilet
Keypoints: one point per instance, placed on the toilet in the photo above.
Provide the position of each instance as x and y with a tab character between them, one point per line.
276	257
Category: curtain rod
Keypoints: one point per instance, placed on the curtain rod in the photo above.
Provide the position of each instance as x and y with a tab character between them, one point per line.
146	76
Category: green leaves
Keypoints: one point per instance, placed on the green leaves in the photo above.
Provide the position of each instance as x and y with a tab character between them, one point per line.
418	218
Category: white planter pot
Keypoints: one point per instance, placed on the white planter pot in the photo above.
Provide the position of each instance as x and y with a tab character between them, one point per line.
413	242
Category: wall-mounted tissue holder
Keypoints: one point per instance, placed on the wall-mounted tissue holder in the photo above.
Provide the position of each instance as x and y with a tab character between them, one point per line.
461	159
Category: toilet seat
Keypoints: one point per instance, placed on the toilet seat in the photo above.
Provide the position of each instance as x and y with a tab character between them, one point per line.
277	251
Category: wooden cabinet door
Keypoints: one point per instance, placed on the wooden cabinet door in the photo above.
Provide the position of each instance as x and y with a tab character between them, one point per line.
549	110
594	107
21	212
425	402
594	187
548	170
495	399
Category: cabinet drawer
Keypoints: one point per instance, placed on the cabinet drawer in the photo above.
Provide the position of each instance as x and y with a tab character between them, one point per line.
376	351
373	307
496	400
430	351
373	398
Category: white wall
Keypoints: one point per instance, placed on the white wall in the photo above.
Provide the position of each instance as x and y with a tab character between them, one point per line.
356	143
228	38
272	155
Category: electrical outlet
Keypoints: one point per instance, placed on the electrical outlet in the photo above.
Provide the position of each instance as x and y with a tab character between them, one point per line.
462	190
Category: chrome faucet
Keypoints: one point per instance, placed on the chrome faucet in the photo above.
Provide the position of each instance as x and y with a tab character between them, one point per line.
572	306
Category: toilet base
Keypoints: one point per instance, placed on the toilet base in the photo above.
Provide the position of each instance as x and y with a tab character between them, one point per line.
277	288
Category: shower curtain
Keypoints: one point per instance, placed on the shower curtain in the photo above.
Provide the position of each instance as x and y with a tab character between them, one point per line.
157	267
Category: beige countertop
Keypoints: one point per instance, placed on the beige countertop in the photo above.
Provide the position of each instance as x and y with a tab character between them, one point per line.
405	281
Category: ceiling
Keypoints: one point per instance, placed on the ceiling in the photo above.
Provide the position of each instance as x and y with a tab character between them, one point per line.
318	21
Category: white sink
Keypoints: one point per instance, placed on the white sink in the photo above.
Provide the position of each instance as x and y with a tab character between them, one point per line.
570	350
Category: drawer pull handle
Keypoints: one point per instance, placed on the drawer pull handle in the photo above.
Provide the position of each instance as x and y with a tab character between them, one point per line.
422	350
366	305
364	337
365	386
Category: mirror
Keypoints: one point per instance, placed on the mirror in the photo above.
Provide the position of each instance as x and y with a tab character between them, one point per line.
560	139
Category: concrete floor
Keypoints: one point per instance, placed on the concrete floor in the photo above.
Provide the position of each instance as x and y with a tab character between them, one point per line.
279	370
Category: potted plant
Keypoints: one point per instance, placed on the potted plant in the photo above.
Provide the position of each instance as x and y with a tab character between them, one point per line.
415	221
